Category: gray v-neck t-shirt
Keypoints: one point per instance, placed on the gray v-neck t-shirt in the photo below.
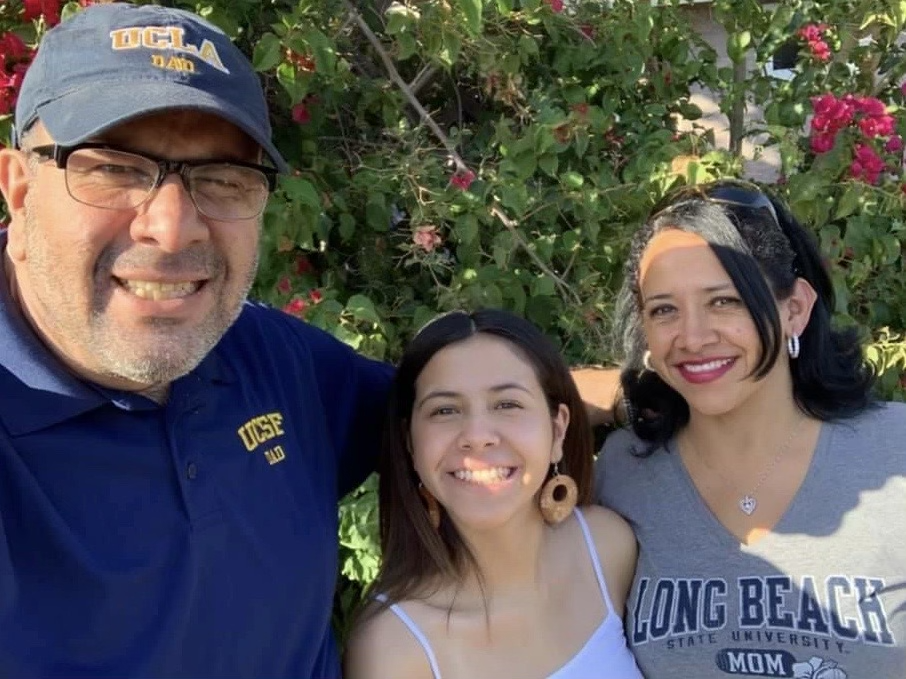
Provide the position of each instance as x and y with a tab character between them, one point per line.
822	596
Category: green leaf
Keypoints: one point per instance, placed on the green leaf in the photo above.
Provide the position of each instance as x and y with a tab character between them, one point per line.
548	164
300	190
849	202
466	229
268	52
472	10
572	180
376	214
347	226
505	7
362	309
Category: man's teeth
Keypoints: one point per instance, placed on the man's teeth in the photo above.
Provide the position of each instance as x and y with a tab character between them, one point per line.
158	291
491	475
705	367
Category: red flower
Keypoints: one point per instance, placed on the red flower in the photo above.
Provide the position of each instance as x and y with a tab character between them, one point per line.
49	9
463	179
867	164
284	285
870	106
427	238
315	296
296	307
588	31
303	62
894	144
822	142
303	266
13	49
301	113
555	5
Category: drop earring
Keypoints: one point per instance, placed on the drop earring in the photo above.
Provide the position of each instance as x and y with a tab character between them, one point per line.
558	497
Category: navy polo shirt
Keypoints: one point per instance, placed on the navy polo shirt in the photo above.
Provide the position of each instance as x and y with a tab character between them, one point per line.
194	539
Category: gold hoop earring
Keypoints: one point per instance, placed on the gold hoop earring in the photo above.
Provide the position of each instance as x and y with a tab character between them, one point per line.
432	506
558	497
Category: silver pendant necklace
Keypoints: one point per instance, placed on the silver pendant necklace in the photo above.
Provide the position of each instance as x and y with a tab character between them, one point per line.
748	503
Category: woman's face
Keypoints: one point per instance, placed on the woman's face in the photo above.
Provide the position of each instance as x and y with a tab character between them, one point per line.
482	435
701	335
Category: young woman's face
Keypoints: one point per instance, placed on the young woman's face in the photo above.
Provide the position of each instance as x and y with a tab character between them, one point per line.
701	336
482	435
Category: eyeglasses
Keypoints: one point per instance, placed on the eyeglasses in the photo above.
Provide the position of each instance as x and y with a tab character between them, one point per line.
102	176
727	192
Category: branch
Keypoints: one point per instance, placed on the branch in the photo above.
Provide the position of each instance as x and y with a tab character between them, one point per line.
404	88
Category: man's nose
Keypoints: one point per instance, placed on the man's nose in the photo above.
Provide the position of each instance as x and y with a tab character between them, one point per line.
169	218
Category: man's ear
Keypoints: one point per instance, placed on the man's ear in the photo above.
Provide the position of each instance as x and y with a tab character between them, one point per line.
797	308
15	178
560	421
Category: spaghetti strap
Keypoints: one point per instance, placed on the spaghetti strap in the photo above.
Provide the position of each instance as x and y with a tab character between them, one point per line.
416	632
595	562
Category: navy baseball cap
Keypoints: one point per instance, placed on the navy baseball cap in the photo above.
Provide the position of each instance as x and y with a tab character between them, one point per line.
111	63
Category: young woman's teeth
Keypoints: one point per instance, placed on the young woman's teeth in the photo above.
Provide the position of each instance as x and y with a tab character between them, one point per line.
483	476
706	367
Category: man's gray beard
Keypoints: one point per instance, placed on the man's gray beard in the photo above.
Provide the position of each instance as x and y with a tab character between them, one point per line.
160	367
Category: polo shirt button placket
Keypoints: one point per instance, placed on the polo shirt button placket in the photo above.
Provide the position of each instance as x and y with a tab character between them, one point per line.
191	471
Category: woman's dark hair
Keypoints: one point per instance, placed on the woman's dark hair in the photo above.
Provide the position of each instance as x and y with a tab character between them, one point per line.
763	250
416	558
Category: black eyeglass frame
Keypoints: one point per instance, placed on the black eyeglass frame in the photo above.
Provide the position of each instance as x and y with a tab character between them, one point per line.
60	155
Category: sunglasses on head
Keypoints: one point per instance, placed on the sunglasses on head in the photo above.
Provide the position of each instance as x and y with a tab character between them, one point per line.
725	192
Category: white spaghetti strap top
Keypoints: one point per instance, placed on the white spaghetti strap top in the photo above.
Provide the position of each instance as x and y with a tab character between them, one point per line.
416	632
605	654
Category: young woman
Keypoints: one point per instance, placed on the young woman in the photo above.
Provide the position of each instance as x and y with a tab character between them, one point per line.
489	568
767	490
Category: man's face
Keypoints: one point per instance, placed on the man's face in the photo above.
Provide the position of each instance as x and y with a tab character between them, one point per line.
132	298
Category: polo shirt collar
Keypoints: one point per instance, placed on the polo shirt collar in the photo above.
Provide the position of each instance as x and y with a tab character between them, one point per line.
39	391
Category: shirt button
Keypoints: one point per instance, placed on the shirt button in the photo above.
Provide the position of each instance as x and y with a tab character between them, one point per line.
191	470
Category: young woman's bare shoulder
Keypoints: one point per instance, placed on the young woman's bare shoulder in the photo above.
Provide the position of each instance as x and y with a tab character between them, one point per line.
617	549
382	647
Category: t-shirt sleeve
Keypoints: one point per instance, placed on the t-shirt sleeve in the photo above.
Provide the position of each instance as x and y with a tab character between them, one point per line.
354	391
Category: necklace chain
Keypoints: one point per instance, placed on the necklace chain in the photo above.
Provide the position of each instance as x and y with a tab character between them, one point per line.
748	503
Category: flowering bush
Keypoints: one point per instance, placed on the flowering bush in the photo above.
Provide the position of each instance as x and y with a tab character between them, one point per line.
463	153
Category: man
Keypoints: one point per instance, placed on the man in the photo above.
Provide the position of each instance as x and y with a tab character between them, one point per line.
171	455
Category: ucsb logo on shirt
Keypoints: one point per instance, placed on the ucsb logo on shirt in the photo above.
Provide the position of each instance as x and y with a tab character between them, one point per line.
841	608
263	429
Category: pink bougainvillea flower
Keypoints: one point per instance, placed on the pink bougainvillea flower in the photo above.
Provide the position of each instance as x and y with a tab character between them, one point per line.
463	179
296	307
894	144
427	238
870	106
555	5
284	285
822	142
49	9
303	266
12	48
301	114
315	296
820	50
867	165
